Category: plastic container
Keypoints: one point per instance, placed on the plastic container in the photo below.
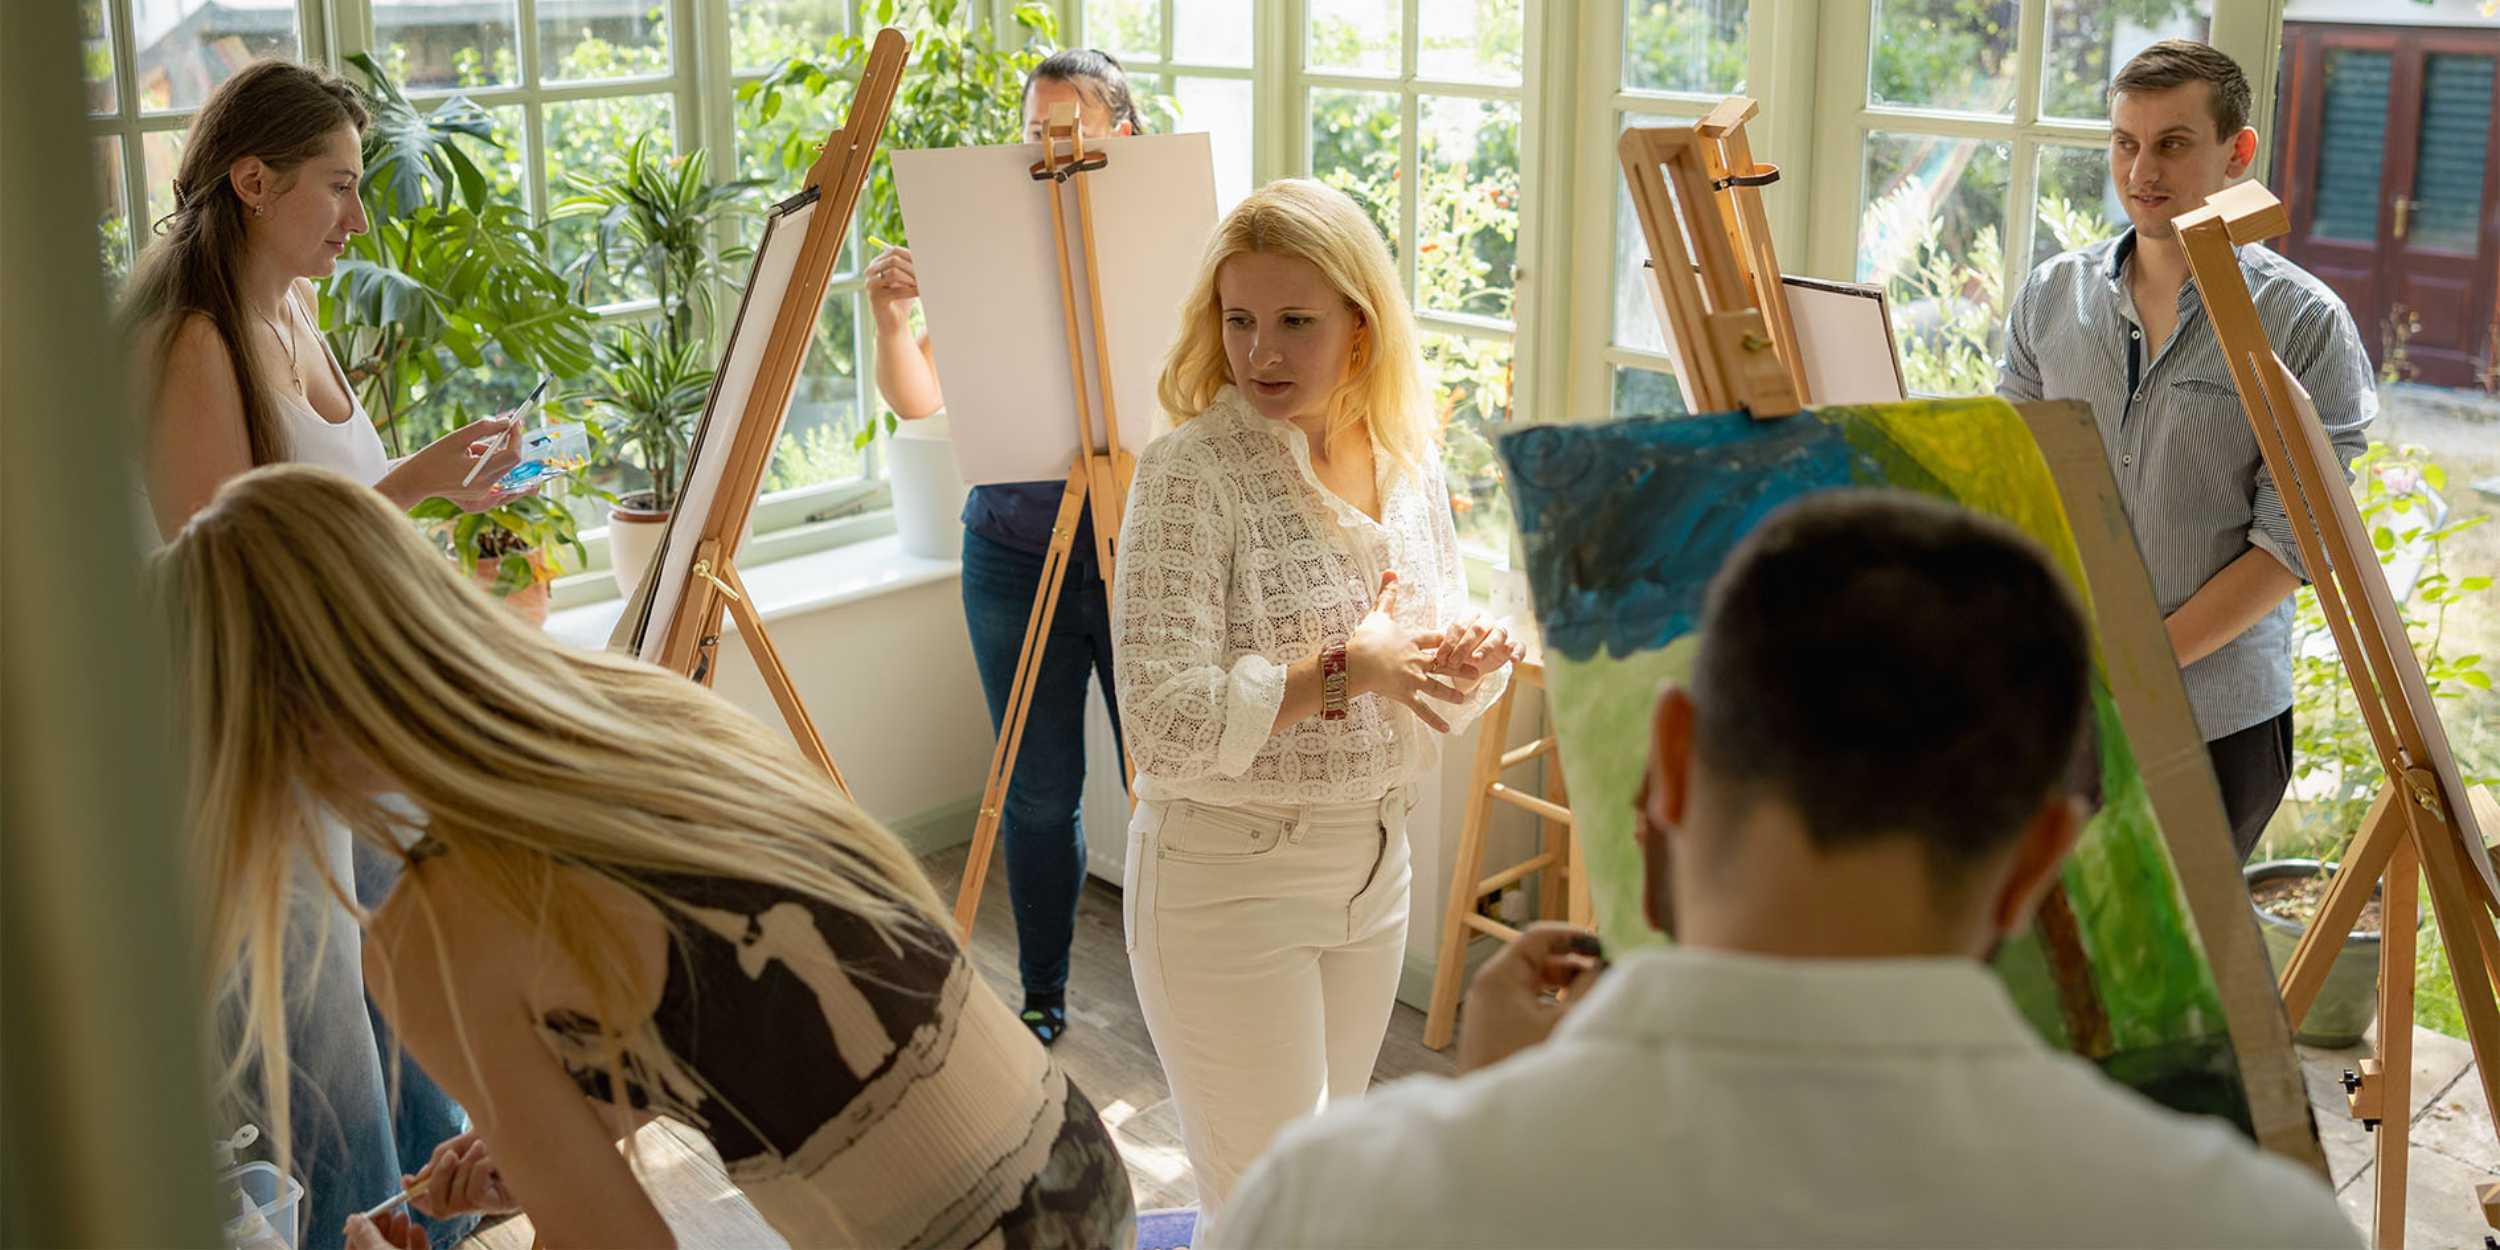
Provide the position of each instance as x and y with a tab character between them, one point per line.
266	1202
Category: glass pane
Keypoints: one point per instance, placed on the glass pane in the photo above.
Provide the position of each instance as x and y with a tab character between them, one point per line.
816	442
2456	130
187	47
1354	148
1471	389
1126	28
582	40
2352	145
2090	40
1931	232
1211	34
1470	40
779	152
763	32
160	152
1355	36
1220	107
112	219
1685	45
589	139
1647	393
2076	202
95	36
507	171
1636	295
1467	235
1944	54
430	46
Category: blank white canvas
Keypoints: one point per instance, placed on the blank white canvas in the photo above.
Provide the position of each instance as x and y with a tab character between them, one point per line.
982	244
1844	330
776	259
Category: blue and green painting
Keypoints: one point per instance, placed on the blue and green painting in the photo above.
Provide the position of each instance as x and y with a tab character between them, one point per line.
1625	521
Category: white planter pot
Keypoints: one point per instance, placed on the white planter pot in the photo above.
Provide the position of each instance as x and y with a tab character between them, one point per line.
633	538
928	491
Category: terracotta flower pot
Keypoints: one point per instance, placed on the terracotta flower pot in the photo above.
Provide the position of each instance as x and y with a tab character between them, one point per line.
530	601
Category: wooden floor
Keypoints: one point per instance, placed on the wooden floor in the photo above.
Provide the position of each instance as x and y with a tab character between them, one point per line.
1108	1054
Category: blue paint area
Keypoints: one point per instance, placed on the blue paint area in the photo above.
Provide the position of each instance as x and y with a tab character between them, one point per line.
1625	522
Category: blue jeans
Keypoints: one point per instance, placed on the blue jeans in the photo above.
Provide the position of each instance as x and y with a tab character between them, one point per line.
1043	826
353	1139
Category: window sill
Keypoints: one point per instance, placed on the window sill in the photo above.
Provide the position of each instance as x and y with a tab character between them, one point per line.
789	586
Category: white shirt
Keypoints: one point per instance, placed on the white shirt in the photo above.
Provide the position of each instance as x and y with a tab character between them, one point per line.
1700	1098
1236	563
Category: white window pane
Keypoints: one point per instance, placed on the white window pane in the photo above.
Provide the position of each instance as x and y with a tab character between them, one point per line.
2090	40
1647	393
2076	204
818	443
1470	40
1354	36
1932	232
1685	45
1467	234
587	40
1212	34
764	32
1126	28
1221	108
1354	148
187	47
112	214
95	46
589	140
1471	390
1955	55
430	46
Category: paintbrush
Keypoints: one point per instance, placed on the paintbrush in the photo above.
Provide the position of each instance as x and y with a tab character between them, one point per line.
506	436
387	1205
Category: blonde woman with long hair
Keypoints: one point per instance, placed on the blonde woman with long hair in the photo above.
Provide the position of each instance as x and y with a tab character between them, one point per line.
623	898
1293	639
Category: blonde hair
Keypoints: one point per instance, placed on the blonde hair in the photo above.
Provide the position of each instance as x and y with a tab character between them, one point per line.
1311	221
315	631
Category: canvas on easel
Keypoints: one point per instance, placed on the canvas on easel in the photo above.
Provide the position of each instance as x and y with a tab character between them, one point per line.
2147	961
2424	820
674	616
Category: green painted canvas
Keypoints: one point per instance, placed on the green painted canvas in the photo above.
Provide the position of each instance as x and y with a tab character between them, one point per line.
1624	523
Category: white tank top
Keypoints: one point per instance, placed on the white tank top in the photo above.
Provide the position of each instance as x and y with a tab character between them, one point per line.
352	446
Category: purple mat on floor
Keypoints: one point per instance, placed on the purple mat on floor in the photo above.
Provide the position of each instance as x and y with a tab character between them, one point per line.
1167	1229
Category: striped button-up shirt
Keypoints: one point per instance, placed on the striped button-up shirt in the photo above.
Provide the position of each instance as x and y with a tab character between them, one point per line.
2188	468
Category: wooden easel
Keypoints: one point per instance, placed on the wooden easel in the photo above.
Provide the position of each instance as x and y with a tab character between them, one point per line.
690	638
1736	181
1728	360
1098	483
2424	819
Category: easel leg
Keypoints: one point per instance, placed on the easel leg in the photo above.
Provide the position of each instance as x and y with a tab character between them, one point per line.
1449	971
2465	929
777	679
2397	907
2365	860
1019	702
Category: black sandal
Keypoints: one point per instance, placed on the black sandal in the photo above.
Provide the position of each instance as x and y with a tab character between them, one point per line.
1047	1023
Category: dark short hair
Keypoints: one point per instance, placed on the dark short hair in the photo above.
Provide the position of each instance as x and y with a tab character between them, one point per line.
1098	76
2178	62
1888	664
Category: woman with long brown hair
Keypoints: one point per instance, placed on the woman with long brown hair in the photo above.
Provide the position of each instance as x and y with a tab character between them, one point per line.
629	899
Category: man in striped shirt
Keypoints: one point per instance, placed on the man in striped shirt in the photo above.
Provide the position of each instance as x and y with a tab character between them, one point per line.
2121	326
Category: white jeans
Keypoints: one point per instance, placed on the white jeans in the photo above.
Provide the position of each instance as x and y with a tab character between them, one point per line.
1265	941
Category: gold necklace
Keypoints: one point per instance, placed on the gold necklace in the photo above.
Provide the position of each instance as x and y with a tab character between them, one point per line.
293	365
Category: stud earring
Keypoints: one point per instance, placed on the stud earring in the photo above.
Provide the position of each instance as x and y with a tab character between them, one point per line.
260	210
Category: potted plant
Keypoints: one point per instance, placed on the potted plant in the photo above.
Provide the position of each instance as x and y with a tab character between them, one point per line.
658	216
449	277
2336	770
506	548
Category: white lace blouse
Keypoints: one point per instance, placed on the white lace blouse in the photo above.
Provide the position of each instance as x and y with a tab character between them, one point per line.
1235	563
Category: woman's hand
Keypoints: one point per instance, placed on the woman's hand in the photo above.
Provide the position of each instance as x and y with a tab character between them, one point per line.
387	1231
892	286
1386	659
442	468
1474	649
460	1178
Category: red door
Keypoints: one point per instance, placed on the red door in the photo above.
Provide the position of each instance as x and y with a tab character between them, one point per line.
2388	156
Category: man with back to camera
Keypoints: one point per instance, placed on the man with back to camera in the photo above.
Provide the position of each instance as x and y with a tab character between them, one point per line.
1867	786
2122	326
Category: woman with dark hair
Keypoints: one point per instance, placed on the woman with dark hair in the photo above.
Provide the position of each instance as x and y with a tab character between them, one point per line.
234	374
1006	530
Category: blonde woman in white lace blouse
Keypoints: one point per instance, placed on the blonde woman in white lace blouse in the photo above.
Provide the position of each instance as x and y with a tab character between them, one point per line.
1292	638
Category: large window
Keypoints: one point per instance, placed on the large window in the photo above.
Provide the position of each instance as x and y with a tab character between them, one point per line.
1193	61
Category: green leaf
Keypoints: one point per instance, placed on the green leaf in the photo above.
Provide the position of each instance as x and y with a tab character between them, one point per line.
2477	678
2384	538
